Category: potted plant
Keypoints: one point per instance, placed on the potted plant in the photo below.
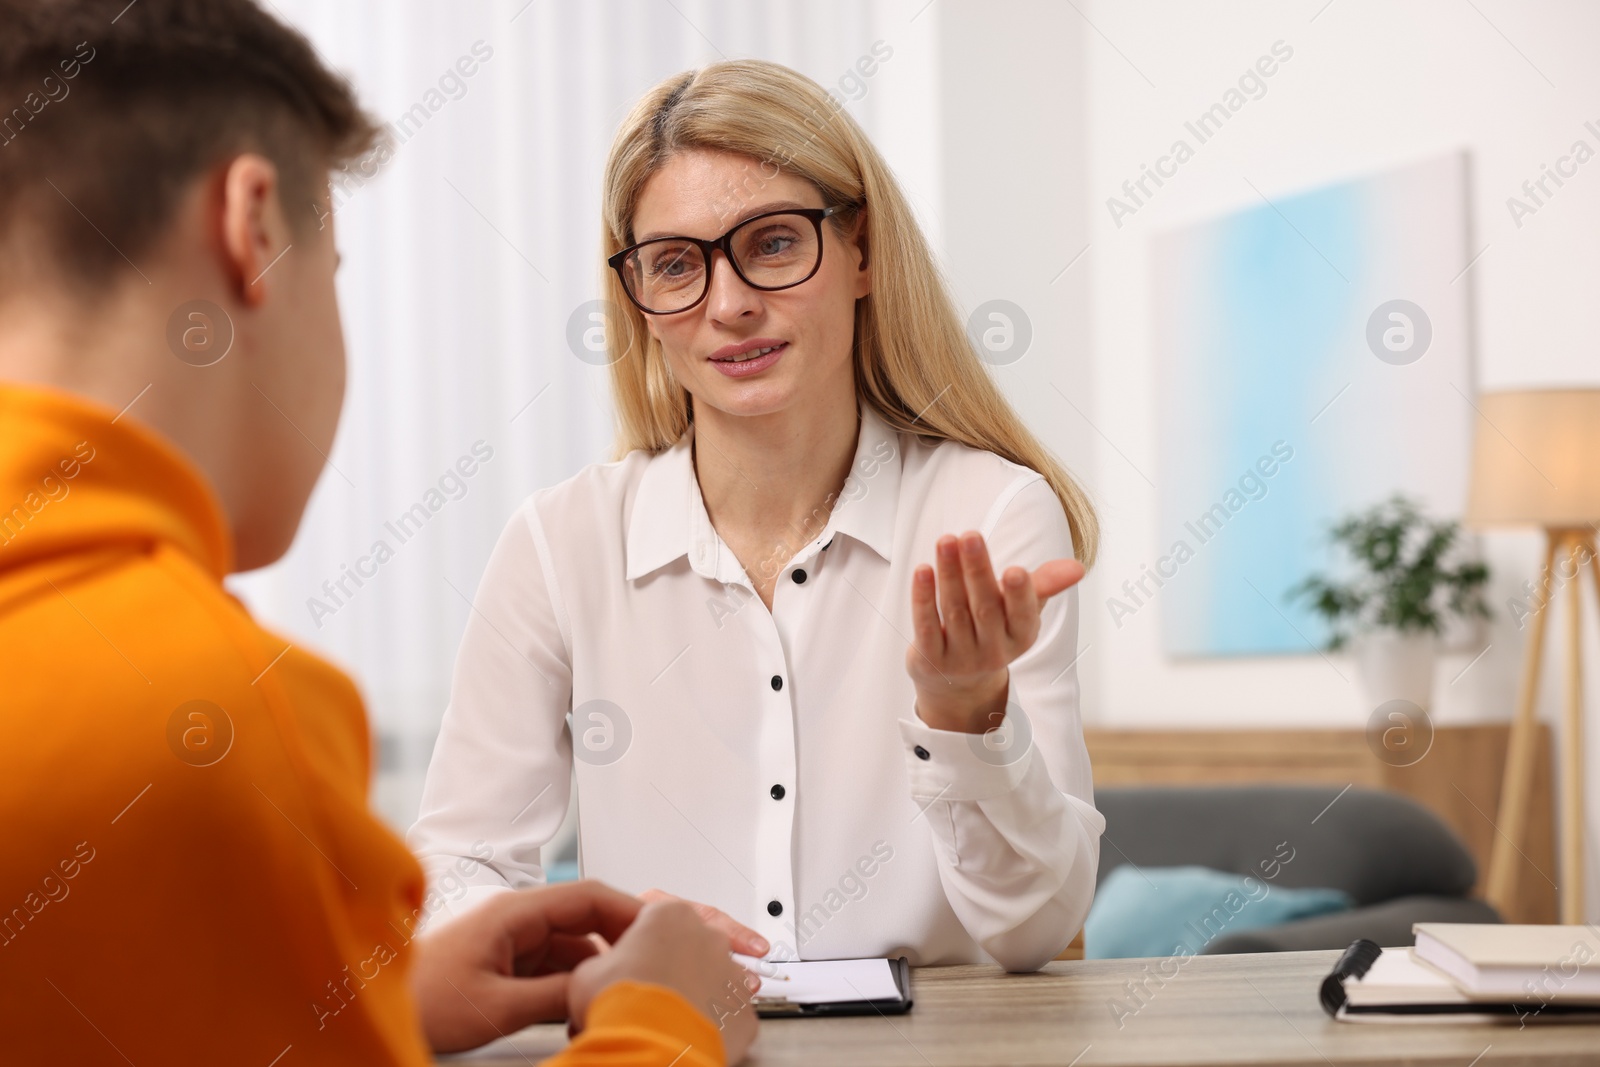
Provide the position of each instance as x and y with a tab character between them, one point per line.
1406	576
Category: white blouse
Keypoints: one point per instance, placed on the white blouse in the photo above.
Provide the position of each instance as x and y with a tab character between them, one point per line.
769	763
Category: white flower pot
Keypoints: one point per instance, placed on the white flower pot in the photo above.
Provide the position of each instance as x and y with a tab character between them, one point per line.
1397	666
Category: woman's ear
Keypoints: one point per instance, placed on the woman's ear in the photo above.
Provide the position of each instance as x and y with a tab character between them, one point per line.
858	237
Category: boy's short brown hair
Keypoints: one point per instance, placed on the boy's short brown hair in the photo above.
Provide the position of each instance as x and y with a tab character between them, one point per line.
109	110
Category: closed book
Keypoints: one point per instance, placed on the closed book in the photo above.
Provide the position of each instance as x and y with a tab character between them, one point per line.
1372	984
1547	963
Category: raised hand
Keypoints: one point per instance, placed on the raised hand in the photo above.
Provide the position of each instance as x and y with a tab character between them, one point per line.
969	628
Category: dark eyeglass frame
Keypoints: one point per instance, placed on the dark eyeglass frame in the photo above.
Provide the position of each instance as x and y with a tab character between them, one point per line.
707	248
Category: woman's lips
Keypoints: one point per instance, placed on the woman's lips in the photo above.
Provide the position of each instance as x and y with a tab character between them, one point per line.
754	365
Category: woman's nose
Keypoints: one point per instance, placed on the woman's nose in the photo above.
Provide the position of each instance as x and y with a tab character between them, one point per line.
730	298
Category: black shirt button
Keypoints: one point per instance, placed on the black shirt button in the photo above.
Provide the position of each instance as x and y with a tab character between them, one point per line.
921	752
799	576
777	792
777	682
774	908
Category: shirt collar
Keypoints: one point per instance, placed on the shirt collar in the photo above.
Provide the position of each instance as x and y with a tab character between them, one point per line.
669	518
658	530
75	477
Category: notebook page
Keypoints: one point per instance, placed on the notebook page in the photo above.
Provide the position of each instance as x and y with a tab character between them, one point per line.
825	981
1397	977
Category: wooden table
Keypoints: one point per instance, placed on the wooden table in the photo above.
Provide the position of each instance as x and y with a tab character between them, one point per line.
1245	1009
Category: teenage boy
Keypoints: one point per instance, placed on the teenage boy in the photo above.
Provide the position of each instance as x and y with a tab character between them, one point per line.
191	872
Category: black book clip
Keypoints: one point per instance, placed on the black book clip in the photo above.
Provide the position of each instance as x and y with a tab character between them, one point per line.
1355	962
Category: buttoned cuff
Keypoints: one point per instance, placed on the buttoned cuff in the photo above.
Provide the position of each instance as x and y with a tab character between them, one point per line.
951	765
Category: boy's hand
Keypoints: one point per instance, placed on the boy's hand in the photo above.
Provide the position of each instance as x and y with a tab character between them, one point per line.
507	964
669	945
744	940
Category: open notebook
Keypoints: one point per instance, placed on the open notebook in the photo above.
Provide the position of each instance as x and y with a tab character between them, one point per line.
831	987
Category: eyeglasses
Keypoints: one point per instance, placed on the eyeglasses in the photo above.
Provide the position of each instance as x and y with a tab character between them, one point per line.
771	251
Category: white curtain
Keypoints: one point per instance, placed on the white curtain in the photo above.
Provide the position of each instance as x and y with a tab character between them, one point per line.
464	259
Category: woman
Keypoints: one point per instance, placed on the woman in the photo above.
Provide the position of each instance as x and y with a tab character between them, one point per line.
797	699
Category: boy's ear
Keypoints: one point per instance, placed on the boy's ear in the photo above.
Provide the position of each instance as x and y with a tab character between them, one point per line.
255	233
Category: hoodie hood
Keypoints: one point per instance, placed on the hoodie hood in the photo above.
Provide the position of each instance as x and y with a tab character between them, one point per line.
75	476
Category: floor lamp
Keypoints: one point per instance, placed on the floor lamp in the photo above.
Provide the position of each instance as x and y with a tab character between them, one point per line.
1536	462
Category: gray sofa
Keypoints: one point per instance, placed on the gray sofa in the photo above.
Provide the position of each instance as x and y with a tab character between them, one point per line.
1397	859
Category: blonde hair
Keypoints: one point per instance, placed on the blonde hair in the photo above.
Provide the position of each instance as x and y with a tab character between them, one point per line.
913	362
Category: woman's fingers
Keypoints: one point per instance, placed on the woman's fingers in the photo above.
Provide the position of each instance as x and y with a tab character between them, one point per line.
959	634
983	595
1056	576
959	610
925	615
1022	605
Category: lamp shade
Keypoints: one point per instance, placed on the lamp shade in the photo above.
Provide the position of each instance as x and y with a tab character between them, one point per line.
1536	459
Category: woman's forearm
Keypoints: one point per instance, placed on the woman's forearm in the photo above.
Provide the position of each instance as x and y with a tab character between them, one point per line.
1005	791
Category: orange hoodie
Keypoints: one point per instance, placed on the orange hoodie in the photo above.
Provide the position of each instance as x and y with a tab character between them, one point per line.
191	873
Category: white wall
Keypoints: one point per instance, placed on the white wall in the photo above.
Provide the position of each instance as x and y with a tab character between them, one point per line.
1371	85
1014	214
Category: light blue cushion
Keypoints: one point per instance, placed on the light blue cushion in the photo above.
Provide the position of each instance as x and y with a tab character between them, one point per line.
1177	911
